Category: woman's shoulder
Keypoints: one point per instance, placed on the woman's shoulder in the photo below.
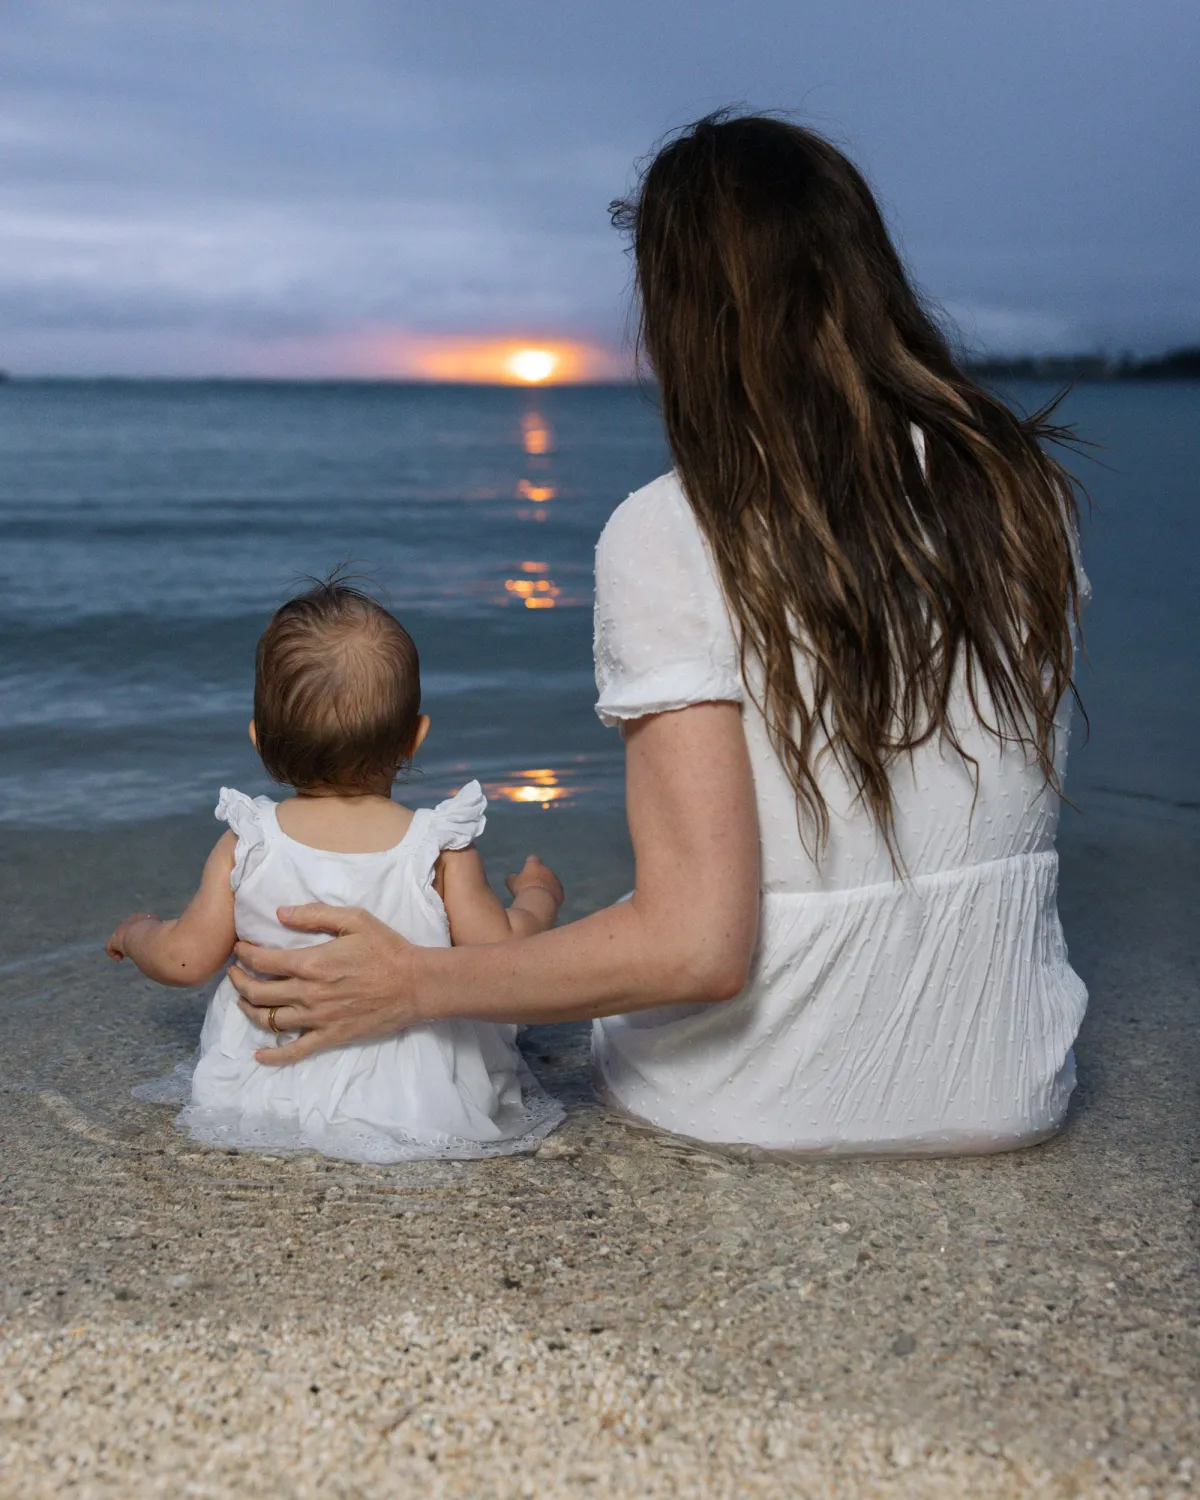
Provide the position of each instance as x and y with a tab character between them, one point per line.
653	543
659	511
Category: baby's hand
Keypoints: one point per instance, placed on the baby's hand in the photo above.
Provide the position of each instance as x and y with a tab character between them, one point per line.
534	875
115	947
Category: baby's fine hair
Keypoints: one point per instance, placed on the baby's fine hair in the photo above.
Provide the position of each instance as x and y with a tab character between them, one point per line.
337	690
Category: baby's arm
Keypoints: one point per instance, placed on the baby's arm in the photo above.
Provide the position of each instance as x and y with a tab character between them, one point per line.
193	947
476	915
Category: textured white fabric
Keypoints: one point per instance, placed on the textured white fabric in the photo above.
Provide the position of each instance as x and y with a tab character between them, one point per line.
453	1089
931	1013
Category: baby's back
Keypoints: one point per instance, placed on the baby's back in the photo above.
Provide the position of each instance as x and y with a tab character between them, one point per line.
273	869
454	1089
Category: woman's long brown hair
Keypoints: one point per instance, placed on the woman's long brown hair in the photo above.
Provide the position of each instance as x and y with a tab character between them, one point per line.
793	360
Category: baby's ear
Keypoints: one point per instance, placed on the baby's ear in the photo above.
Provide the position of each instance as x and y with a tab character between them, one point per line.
253	735
419	737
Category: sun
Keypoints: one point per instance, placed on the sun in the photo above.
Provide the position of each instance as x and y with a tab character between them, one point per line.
532	365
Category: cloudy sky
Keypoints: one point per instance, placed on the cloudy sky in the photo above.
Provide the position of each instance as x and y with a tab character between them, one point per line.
323	186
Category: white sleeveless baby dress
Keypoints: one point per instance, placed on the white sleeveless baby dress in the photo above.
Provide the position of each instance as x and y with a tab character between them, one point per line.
453	1089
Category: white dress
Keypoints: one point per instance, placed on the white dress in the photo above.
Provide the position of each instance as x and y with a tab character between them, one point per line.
933	1014
451	1089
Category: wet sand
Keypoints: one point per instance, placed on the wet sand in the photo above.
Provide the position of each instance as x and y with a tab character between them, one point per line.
618	1315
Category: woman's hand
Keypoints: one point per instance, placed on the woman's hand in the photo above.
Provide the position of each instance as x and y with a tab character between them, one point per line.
356	988
686	936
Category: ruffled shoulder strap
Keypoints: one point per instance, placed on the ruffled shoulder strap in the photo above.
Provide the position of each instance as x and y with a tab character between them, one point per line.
460	820
250	818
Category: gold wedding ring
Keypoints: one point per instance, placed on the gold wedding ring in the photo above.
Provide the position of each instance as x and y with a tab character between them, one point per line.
272	1022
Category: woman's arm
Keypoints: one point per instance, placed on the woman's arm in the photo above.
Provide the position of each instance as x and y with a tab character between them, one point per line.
192	948
687	934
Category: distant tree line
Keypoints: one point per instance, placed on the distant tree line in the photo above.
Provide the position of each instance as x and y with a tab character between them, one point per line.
1177	364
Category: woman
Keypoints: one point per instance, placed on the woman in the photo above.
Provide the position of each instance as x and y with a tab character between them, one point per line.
838	642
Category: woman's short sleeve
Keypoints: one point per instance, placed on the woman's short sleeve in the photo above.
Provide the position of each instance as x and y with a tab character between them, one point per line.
663	638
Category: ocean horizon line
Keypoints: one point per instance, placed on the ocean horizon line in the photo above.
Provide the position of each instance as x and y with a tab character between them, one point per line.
1176	363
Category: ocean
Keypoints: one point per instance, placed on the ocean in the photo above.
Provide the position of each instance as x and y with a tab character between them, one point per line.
147	530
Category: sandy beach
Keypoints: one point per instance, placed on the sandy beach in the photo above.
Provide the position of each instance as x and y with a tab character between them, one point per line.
619	1315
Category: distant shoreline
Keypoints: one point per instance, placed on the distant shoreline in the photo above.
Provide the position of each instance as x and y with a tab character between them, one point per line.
1175	365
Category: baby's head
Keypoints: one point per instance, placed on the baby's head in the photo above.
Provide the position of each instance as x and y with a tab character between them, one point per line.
337	692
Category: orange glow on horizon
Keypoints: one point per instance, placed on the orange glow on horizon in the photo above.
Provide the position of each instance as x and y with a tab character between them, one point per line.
489	361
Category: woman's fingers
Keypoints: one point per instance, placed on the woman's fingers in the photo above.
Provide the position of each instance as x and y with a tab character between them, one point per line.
302	963
279	963
352	989
317	917
287	1017
266	992
290	1052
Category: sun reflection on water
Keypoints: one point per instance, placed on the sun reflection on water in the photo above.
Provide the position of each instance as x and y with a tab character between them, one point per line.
536	436
538	493
539	786
572	782
537	593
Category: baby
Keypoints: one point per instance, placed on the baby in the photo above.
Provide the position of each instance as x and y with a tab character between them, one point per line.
337	714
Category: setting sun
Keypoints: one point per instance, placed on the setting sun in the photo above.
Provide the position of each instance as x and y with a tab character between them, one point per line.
533	365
